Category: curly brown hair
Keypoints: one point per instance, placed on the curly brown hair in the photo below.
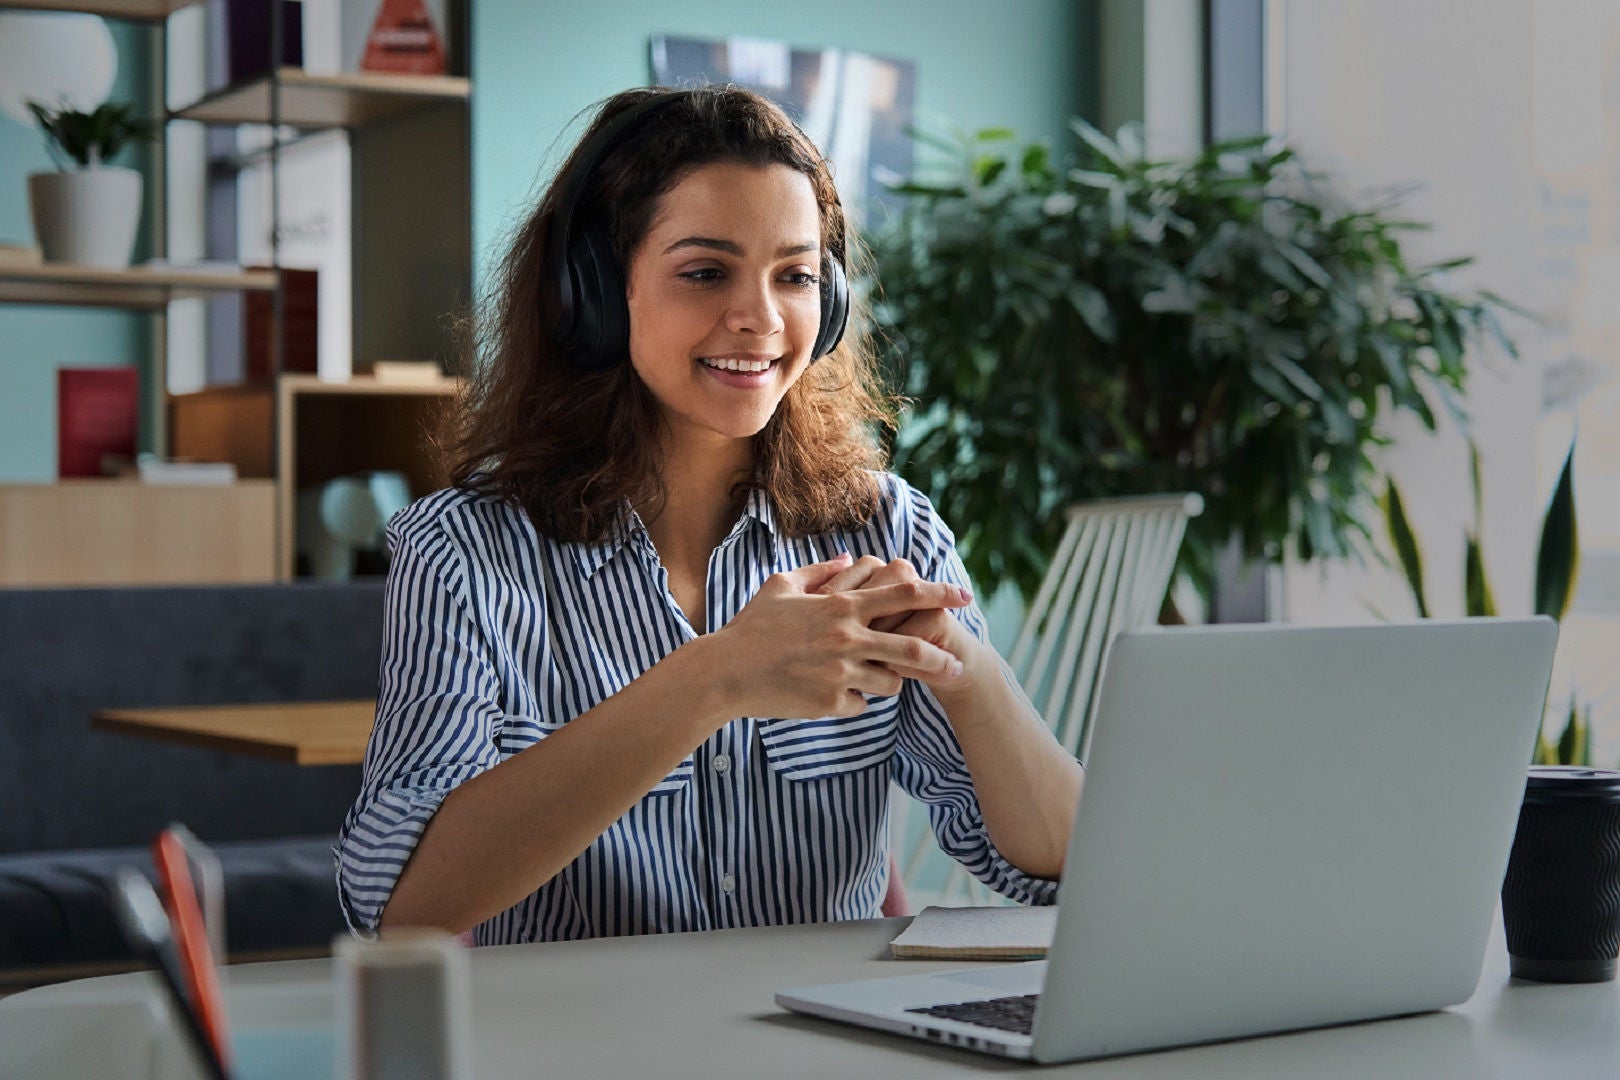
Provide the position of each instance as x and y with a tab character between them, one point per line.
568	447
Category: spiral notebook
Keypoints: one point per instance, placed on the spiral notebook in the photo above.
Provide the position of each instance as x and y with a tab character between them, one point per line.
977	933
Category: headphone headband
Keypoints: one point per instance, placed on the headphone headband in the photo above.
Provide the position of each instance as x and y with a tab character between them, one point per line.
593	318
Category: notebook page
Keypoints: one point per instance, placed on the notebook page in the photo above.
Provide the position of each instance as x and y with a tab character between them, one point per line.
977	933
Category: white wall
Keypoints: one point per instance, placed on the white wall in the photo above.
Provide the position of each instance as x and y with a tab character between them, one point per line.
1505	112
1152	57
1390	92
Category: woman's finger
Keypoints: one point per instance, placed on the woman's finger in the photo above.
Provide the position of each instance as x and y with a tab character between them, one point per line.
877	680
875	603
811	576
910	657
861	573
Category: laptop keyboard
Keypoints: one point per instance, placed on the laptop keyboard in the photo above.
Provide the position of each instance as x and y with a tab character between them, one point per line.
1016	1014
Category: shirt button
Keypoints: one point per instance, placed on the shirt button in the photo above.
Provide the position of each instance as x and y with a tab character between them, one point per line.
722	764
728	884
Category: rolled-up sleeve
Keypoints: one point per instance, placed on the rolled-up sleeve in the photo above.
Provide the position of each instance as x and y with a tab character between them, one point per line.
929	765
437	717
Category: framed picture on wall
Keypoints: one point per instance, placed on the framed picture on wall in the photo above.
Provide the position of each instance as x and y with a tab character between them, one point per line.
855	107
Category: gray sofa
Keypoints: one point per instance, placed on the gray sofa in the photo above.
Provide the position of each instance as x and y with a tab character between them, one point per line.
75	802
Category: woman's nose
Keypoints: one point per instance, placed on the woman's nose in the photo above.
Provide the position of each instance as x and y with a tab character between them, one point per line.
754	310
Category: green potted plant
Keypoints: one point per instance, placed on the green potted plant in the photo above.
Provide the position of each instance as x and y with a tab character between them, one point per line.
1558	560
1223	325
88	210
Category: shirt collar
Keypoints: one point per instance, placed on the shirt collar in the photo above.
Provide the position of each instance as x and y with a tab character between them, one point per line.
758	507
628	525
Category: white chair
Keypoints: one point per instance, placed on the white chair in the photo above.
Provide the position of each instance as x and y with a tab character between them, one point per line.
1110	574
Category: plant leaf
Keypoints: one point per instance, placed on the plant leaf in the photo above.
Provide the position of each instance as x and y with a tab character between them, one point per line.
1476	589
1092	307
1101	145
1406	547
1558	556
1574	745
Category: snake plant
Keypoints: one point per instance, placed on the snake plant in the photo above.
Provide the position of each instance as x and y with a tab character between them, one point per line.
1558	558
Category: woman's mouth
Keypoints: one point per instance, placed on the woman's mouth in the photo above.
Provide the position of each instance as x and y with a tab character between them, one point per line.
743	372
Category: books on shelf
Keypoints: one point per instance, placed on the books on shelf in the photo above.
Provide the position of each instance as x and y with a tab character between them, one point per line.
409	372
300	342
977	933
400	36
155	470
97	418
408	37
238	39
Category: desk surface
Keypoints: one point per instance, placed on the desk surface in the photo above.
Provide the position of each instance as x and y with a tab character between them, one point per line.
699	1005
303	733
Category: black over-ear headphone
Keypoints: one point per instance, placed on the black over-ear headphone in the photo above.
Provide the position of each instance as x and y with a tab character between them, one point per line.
593	319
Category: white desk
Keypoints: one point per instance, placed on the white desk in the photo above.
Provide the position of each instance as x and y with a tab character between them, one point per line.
699	1005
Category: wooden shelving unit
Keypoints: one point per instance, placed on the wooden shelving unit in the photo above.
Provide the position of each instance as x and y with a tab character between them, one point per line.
148	287
298	432
116	532
134	10
326	101
307	432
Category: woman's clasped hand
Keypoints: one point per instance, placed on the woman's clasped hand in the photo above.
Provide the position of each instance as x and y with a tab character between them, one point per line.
797	649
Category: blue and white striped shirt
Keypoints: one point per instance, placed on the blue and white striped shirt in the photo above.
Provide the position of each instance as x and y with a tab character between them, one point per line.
497	636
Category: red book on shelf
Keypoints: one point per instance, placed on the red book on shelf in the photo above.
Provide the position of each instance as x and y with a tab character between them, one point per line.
97	415
300	324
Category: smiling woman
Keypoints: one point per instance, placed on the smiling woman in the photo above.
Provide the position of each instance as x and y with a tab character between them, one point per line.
656	660
724	297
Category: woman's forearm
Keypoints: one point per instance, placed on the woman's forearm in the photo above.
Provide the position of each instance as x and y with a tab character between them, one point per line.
1028	786
502	834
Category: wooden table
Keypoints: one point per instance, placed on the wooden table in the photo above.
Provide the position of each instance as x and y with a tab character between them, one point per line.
303	733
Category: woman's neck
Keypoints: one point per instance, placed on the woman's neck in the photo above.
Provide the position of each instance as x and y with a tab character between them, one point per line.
699	508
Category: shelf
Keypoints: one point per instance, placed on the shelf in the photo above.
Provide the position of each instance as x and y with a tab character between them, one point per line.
123	532
369	384
142	287
139	10
326	101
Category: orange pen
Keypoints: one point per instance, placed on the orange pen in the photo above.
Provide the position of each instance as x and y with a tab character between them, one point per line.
191	937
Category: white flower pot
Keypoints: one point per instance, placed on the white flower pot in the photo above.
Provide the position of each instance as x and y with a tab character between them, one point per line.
88	216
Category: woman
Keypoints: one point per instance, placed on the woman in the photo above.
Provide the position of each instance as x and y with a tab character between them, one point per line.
653	661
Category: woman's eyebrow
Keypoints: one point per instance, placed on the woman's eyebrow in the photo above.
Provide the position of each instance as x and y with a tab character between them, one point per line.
732	248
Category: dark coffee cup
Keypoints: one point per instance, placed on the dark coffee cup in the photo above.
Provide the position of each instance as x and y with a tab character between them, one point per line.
1561	898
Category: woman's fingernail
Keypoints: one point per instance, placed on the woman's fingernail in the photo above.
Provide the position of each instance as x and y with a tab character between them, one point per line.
842	556
956	669
967	597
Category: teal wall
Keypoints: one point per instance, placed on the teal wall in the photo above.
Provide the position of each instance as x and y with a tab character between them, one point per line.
1025	64
1029	64
980	63
35	341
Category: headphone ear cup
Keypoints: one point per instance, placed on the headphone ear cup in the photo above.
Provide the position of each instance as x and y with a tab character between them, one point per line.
834	308
601	316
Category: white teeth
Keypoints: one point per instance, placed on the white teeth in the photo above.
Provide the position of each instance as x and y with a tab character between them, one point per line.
733	364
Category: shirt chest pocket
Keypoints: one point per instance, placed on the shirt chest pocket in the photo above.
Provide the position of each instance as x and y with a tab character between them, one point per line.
831	745
518	733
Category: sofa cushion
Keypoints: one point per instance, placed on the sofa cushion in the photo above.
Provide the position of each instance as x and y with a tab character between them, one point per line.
280	895
69	652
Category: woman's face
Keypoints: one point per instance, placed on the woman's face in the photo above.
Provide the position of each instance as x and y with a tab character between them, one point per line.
724	297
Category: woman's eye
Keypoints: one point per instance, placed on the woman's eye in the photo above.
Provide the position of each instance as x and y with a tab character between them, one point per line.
707	275
803	279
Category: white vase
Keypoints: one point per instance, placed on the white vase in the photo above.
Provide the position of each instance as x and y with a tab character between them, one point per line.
87	216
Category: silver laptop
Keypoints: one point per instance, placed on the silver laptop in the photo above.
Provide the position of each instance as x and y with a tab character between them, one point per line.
1281	828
